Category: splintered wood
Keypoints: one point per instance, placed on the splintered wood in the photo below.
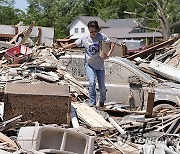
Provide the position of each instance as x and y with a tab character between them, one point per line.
91	117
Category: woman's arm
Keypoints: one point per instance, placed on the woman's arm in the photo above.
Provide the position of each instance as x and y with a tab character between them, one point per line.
71	45
111	45
111	49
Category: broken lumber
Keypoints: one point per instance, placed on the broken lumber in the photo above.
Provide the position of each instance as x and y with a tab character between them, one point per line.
74	82
91	117
5	45
16	26
16	36
153	48
119	128
74	119
150	104
39	36
28	32
169	123
116	146
4	138
125	111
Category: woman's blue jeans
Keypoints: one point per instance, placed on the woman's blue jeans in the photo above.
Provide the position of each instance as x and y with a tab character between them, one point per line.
92	74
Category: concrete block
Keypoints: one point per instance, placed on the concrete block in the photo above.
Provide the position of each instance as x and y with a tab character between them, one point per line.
50	139
44	103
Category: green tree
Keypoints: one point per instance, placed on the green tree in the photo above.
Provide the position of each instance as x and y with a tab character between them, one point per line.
56	13
8	15
160	15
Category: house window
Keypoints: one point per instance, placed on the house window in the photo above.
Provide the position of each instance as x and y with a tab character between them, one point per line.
82	30
75	30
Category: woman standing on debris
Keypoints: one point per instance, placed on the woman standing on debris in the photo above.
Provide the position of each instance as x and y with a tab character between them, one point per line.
94	64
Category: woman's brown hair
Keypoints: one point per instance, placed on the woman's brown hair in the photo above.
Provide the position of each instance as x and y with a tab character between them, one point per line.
93	24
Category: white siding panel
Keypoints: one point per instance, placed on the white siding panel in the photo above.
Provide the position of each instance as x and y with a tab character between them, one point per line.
47	33
78	24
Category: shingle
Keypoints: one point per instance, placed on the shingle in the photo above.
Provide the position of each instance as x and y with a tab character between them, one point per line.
143	35
122	23
86	19
126	33
116	32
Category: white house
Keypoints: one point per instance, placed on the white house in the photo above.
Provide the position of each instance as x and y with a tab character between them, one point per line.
78	26
118	30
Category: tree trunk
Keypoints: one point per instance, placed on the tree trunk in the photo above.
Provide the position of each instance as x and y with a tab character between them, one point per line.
166	31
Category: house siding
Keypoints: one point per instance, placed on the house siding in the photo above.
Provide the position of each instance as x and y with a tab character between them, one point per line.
47	35
78	24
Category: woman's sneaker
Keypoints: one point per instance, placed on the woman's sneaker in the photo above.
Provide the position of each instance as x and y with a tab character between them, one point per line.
91	105
100	104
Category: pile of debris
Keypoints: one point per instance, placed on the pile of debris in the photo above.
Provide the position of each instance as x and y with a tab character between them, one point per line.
44	108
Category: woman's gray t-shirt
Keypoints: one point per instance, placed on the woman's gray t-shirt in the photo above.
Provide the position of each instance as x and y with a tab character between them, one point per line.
92	48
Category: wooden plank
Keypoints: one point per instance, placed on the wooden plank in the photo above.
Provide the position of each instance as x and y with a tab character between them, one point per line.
125	111
5	45
39	36
90	116
74	82
28	32
119	128
16	36
167	124
153	48
115	145
45	77
74	119
174	127
4	138
129	147
150	104
16	26
165	70
177	128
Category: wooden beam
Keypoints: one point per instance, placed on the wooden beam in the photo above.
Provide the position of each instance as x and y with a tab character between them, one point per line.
39	36
91	117
153	48
119	128
16	36
74	119
74	82
117	147
28	32
16	27
4	138
169	123
150	104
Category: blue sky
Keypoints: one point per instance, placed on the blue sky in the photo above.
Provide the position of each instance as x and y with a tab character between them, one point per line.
21	4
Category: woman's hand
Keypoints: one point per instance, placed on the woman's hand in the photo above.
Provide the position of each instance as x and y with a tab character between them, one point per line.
105	56
62	49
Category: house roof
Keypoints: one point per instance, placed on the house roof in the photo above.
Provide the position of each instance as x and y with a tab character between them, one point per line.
144	35
116	32
126	33
122	23
86	19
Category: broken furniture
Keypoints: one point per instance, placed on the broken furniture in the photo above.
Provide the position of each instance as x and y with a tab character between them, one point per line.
49	139
44	103
18	53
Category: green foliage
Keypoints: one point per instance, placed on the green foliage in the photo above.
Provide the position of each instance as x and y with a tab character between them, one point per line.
149	11
56	13
110	9
8	15
60	13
